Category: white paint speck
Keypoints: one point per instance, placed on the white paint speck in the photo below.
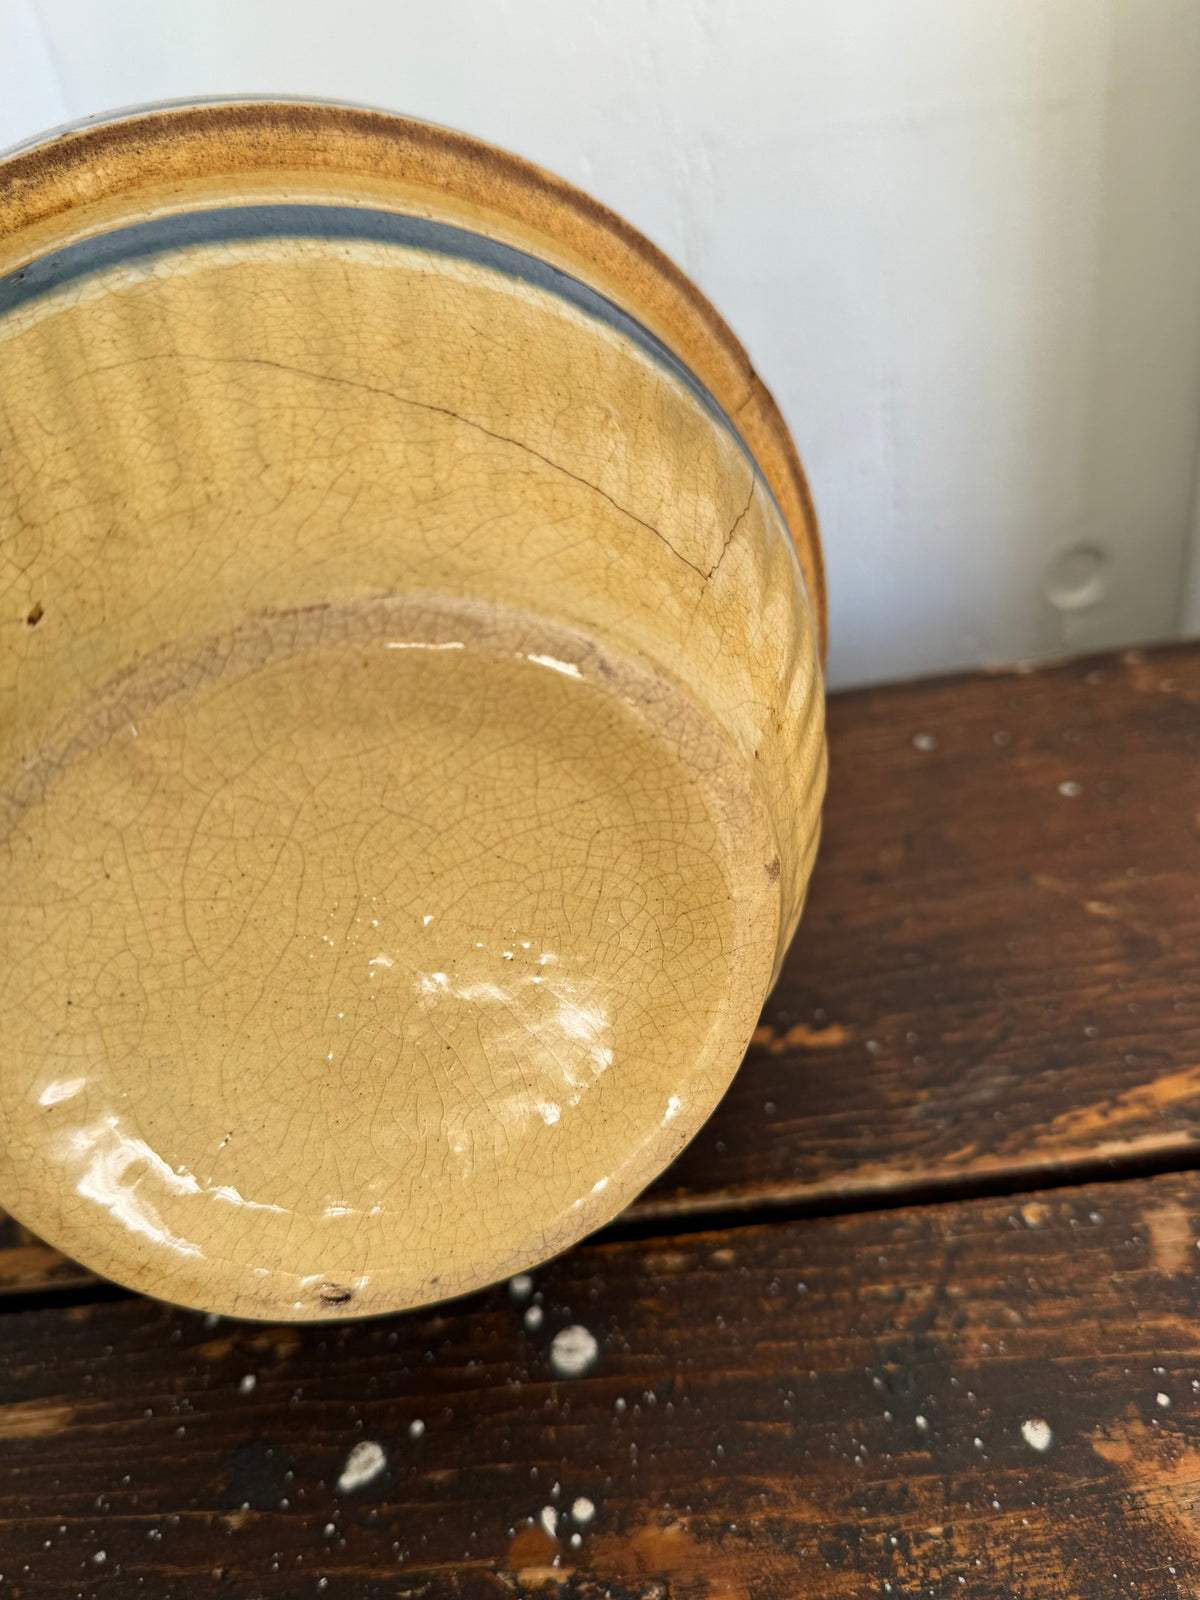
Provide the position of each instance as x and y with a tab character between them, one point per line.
534	1318
1036	1433
211	1321
100	1557
573	1351
365	1462
247	1384
520	1287
923	1423
549	1520
330	1530
1070	788
416	1428
582	1511
576	1540
924	741
1164	1400
978	1442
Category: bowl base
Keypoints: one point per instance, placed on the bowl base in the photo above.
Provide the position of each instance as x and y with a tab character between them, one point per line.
361	955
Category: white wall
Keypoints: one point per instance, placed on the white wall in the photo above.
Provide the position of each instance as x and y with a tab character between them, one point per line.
961	239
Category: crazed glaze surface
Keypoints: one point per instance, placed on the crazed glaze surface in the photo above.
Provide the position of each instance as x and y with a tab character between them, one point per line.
410	757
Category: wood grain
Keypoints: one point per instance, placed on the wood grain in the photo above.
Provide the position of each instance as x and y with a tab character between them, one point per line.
27	1266
815	1408
996	970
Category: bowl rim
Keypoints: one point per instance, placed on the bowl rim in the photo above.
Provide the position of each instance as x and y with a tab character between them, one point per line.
67	183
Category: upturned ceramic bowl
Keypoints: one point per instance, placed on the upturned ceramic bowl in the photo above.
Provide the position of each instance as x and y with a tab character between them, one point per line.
411	745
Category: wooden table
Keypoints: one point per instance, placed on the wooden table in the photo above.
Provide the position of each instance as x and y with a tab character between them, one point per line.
916	1314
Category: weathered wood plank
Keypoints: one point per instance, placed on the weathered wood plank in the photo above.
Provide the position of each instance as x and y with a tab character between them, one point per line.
988	1398
998	970
27	1266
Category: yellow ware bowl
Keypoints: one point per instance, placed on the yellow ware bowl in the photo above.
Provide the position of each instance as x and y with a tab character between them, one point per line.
411	744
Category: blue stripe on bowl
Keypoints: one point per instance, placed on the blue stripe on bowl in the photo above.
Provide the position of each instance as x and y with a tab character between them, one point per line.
142	241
